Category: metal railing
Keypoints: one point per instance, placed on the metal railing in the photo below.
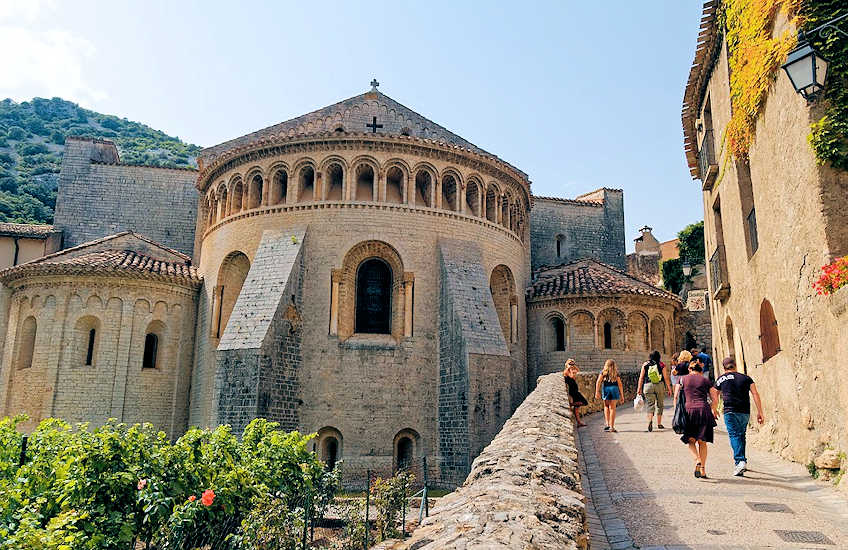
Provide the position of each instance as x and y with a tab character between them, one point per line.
707	163
718	274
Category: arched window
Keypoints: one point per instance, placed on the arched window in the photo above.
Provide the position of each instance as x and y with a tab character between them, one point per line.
222	203
373	297
559	245
89	354
449	193
637	331
364	183
423	188
394	185
492	204
472	199
151	349
307	184
658	334
559	334
26	337
254	198
769	337
611	329
231	278
405	444
280	187
329	446
404	453
502	287
330	452
335	182
607	335
238	196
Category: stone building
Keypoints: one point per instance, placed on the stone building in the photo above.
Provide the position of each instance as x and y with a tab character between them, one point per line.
771	222
358	272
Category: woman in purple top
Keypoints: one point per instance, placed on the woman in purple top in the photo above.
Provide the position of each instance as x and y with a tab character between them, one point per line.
701	413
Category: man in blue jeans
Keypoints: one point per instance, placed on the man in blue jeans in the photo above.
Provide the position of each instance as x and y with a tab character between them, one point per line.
734	387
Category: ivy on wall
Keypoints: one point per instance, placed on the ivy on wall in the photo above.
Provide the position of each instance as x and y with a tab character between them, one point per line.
754	57
829	135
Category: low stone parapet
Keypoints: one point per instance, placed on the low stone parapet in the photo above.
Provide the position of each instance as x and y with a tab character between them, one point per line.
524	489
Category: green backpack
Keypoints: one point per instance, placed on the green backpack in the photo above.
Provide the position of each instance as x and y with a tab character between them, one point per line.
654	374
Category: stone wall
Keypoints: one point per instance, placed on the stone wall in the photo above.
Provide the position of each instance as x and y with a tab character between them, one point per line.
590	227
122	311
805	397
99	197
524	491
258	357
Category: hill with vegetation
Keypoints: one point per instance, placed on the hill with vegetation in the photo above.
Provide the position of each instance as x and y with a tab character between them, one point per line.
32	137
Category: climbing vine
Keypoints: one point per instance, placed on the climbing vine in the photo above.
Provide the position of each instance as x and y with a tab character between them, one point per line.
754	57
829	135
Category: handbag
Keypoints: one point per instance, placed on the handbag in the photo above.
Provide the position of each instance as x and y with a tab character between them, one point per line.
681	419
639	403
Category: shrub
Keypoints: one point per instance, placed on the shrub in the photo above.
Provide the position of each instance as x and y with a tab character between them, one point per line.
107	487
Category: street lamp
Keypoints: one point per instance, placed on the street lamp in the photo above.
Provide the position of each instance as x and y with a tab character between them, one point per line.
805	67
687	268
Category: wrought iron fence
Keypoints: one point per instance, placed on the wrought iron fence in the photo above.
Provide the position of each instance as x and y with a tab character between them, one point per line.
706	155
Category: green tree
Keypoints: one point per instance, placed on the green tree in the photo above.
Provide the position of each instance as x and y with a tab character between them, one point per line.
691	243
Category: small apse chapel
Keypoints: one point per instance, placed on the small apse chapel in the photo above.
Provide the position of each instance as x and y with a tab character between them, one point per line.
360	272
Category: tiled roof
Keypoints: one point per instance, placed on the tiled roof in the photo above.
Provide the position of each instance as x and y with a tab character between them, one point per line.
589	278
591	202
117	261
29	230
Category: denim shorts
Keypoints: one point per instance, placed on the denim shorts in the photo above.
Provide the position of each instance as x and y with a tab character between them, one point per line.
611	393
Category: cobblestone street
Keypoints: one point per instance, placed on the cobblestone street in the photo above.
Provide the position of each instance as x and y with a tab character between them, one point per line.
641	493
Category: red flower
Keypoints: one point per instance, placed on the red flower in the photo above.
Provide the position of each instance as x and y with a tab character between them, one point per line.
207	497
192	498
834	277
141	484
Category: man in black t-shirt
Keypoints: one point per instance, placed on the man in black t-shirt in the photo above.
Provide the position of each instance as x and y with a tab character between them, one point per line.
734	387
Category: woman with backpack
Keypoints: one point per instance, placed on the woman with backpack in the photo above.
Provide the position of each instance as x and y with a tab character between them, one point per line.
612	394
653	386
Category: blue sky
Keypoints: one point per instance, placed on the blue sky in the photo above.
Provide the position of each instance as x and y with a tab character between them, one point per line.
577	94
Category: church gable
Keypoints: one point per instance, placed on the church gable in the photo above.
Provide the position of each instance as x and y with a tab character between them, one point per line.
371	112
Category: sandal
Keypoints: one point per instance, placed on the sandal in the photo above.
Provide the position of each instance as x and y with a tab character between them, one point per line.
613	430
704	473
698	468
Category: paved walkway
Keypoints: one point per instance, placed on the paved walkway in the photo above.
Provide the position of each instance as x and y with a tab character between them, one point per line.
641	493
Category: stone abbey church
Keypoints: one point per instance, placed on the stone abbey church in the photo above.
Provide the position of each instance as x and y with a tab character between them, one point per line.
359	271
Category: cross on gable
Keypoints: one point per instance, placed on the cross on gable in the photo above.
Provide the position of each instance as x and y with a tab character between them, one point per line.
374	85
374	126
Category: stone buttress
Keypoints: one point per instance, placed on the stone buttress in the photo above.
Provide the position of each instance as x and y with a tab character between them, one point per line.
474	360
259	355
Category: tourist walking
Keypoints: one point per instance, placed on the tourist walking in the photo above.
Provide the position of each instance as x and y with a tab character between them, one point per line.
735	387
673	370
681	369
608	387
700	415
576	398
706	363
653	386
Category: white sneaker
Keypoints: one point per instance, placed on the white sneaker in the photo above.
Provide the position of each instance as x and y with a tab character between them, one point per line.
740	468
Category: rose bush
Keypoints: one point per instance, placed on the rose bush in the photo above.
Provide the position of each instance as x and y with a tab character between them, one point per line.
104	488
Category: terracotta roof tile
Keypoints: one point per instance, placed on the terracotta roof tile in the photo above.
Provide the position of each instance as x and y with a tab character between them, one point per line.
589	278
103	260
30	230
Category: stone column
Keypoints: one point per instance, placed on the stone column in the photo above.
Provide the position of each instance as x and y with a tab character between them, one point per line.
382	181
460	196
595	330
408	289
318	192
335	278
437	191
513	309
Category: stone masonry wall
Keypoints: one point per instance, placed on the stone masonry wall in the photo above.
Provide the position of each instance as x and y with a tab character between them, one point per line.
524	491
259	353
592	227
474	362
96	199
803	386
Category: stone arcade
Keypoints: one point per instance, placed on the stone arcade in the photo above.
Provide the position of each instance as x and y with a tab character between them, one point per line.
360	272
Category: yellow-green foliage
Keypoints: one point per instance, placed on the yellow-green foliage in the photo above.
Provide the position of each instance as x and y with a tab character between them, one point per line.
754	59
